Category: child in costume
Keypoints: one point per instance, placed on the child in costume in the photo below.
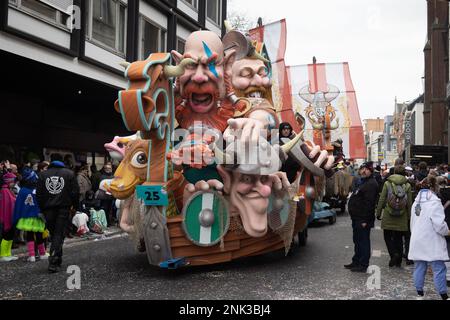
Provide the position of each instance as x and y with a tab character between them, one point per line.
28	216
7	201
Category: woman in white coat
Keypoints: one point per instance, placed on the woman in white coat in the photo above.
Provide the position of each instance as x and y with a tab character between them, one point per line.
428	231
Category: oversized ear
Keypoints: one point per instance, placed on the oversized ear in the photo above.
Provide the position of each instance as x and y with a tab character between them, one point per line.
226	177
230	58
177	57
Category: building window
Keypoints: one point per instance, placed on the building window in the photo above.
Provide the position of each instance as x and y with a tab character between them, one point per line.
56	13
180	45
192	3
394	145
213	11
107	24
153	38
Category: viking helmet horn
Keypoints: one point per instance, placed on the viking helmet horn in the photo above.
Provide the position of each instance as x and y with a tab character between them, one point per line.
258	56
176	71
335	125
228	26
291	144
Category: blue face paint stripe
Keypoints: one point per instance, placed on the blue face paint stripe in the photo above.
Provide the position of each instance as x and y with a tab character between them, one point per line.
212	64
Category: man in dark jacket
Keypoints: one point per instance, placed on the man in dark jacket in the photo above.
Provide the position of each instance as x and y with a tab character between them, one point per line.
290	166
423	171
361	207
57	193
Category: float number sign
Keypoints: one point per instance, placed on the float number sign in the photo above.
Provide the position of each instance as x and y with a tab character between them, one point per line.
153	195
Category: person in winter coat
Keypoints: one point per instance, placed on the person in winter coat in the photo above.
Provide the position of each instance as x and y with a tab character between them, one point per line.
290	166
395	203
428	244
97	176
361	207
423	172
84	183
7	202
106	198
57	194
28	216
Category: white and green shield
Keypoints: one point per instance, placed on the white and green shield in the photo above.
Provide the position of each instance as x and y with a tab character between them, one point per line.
206	218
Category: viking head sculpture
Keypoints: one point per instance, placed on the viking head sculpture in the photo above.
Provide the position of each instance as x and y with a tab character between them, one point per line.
320	106
202	83
250	73
249	182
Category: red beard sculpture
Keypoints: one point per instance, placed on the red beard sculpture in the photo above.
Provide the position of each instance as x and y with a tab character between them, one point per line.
200	105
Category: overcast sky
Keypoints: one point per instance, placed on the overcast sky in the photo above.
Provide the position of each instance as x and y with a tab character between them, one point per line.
382	40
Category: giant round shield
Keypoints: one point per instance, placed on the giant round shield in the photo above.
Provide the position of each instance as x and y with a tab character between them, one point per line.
205	218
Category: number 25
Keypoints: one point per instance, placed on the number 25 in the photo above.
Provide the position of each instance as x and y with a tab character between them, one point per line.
152	196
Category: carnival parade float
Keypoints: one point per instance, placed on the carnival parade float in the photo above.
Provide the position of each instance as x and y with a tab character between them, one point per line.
200	174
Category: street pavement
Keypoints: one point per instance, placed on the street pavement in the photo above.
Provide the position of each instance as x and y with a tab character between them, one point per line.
112	269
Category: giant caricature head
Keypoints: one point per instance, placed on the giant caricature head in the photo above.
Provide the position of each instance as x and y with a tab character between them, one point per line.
248	183
202	84
250	73
249	199
250	79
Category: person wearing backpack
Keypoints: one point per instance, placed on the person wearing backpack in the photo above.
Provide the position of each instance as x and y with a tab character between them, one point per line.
393	209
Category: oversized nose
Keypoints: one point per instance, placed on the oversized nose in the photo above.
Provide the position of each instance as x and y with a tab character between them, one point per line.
200	75
263	189
257	80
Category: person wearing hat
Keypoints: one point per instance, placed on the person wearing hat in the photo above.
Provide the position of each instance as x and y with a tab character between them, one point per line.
7	202
361	207
290	166
378	178
28	216
57	194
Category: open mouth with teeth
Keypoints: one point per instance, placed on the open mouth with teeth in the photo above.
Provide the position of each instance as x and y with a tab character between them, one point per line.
255	92
201	103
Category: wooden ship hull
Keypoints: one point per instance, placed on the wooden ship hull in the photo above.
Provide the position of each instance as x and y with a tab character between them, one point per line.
237	244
